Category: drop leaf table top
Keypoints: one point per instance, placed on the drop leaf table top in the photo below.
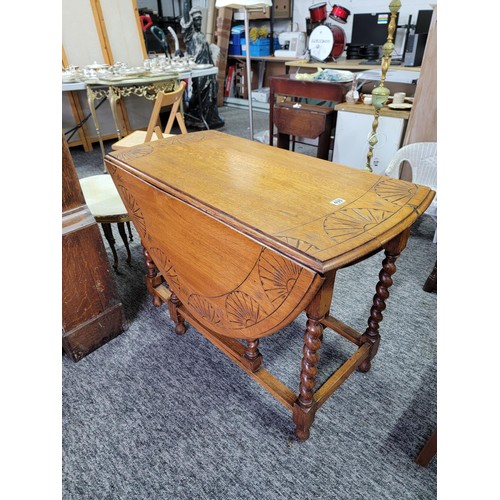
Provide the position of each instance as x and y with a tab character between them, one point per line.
240	237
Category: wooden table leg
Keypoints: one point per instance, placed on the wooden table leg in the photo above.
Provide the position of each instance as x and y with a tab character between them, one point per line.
129	228
283	141
304	408
113	99
430	284
123	234
324	139
91	101
393	250
175	316
153	277
252	358
108	233
428	451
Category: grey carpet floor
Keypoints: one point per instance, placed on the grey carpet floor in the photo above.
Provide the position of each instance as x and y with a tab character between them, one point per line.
153	415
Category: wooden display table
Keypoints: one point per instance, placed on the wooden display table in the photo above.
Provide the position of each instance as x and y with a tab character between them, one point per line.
342	63
247	236
368	109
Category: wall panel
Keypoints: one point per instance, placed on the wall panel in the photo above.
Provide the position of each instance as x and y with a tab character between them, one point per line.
80	37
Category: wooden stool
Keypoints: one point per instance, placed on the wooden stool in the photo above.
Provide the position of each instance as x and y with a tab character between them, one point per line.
106	206
304	120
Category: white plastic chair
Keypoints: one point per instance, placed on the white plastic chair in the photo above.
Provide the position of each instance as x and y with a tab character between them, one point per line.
422	159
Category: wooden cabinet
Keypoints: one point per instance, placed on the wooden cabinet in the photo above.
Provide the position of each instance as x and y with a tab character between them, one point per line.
422	124
92	313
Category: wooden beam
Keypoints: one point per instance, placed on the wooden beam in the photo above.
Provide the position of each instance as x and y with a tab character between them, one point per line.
210	21
139	27
336	380
79	116
65	62
341	328
101	31
108	55
222	33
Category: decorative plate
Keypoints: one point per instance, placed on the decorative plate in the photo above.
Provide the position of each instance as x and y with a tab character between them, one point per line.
404	105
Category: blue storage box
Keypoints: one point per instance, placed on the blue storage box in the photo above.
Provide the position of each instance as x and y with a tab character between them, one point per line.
234	50
261	47
235	38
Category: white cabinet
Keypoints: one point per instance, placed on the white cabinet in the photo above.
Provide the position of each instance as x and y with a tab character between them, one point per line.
351	138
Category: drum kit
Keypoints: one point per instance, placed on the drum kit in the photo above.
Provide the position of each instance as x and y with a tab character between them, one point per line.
326	40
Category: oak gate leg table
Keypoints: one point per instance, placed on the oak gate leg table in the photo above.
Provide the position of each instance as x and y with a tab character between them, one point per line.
240	237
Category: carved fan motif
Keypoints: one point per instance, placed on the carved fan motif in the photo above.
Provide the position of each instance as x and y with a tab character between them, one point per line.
117	176
165	265
111	169
134	211
351	222
277	275
242	310
135	152
301	245
204	308
182	139
393	191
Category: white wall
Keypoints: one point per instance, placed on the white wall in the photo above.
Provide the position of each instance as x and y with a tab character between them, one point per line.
82	47
123	32
81	40
79	34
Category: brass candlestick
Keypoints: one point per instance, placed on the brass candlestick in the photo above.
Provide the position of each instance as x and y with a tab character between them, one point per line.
381	93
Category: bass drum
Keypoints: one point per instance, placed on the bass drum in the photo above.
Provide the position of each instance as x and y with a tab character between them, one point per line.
339	41
321	42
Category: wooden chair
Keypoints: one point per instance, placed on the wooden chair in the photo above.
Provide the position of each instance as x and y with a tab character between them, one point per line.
307	121
105	204
154	132
304	120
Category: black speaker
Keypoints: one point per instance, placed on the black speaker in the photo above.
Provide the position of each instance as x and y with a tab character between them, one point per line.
415	49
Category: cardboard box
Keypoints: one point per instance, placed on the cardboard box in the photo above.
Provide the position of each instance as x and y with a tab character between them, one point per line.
261	95
281	9
239	15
